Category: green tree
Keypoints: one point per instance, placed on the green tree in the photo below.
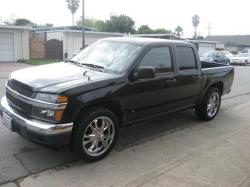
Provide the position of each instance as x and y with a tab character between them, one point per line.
178	31
23	22
88	23
100	25
73	5
144	29
162	31
121	23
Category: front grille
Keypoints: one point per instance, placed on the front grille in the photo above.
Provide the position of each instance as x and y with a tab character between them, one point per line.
19	106
20	88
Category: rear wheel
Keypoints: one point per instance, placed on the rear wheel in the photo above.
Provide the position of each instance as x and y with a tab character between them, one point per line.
210	105
95	134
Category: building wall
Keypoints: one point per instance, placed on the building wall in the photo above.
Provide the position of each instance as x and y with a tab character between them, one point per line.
72	41
55	35
21	43
72	44
205	47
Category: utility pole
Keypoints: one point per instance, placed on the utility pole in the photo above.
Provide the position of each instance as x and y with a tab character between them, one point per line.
83	26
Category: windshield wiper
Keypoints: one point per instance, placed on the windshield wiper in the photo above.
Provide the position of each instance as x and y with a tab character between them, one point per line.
86	64
93	66
74	62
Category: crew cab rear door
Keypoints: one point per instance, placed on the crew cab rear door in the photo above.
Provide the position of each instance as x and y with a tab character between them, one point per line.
190	76
149	97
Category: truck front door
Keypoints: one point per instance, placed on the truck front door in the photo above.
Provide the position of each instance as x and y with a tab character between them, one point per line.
149	97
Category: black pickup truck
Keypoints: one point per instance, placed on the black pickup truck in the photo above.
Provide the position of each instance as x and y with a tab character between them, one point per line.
113	83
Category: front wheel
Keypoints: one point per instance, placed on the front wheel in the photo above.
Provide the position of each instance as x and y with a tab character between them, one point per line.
95	134
210	105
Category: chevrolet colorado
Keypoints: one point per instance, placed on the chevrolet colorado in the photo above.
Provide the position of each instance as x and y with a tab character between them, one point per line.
114	82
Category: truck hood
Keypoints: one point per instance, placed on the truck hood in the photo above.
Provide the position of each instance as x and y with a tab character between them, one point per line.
57	76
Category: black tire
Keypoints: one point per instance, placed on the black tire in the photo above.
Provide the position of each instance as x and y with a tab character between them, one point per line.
202	109
81	125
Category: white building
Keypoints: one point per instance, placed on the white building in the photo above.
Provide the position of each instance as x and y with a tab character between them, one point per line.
71	39
14	43
204	46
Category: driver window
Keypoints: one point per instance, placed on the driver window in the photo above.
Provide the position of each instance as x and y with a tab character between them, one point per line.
159	58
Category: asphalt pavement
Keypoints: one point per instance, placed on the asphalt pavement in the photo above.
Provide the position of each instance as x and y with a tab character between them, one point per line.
175	150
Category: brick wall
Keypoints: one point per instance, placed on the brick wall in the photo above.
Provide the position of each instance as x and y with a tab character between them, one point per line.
37	45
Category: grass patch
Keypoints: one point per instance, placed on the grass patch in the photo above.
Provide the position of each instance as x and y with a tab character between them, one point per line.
37	61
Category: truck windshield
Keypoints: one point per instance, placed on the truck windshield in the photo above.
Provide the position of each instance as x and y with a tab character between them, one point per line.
111	56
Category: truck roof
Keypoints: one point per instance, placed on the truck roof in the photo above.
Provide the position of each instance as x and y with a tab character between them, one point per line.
145	40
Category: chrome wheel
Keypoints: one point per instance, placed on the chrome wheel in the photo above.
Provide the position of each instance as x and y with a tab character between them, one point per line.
98	136
213	104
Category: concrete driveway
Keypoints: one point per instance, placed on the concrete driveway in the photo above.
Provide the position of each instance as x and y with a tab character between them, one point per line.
175	150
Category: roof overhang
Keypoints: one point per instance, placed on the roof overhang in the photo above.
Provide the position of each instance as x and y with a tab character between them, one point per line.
78	31
14	27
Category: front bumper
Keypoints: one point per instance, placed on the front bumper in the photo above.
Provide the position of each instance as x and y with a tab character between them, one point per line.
46	133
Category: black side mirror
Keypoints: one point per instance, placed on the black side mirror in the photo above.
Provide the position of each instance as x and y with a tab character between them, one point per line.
144	72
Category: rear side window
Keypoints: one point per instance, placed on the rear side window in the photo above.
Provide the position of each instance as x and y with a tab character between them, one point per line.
186	58
159	58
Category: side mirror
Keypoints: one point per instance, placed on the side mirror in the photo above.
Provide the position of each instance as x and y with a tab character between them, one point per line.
144	72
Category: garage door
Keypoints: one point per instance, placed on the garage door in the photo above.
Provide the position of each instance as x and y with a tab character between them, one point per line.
6	46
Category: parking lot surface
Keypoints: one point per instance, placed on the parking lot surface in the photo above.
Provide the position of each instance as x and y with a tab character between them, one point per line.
174	150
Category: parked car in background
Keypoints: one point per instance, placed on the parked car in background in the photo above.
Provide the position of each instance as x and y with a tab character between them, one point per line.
228	54
245	51
215	56
242	59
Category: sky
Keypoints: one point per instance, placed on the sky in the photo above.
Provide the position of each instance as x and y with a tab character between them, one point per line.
225	16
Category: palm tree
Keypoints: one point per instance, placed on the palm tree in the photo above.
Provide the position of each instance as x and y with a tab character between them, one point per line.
179	31
73	5
196	21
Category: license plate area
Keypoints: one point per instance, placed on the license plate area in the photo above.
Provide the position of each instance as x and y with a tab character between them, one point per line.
7	121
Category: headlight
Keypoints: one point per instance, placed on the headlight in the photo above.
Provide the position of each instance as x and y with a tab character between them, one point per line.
49	114
51	98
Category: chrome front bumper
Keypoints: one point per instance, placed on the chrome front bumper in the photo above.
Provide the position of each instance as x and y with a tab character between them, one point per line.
34	126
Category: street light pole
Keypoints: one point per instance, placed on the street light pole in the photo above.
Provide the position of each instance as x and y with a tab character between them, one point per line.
83	26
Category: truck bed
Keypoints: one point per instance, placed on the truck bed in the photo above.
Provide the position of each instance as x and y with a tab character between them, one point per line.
205	65
218	72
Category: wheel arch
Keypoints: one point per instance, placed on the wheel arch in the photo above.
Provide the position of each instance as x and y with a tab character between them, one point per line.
112	105
218	85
